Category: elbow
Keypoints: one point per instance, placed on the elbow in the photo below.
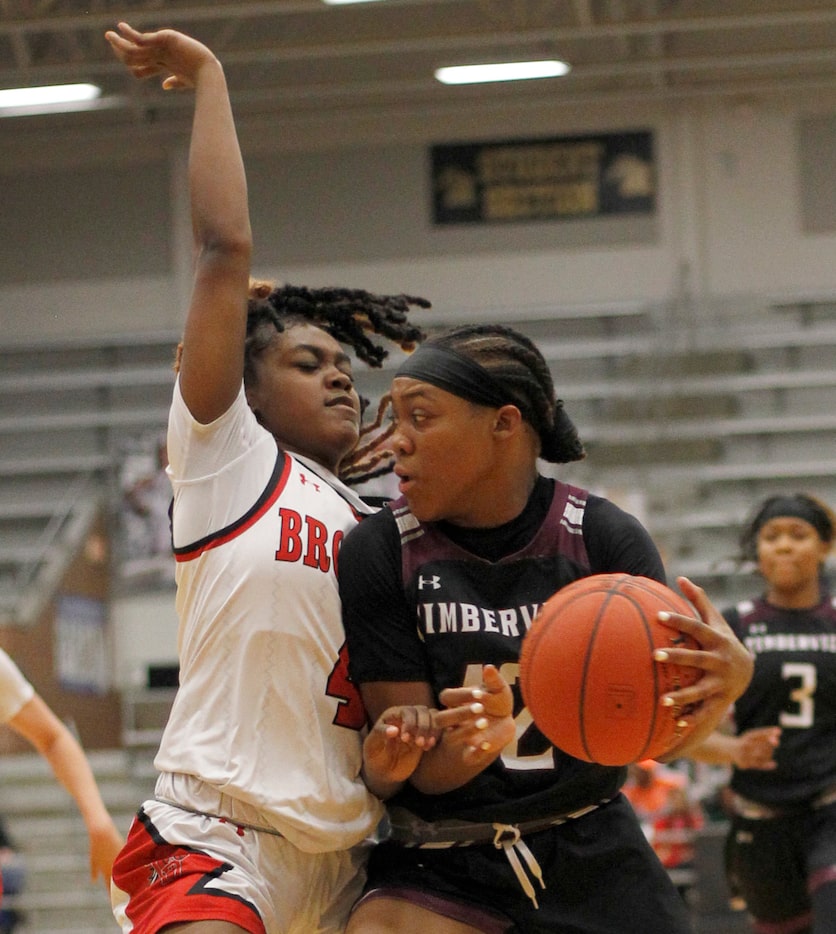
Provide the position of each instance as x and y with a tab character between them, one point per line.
235	246
226	254
434	785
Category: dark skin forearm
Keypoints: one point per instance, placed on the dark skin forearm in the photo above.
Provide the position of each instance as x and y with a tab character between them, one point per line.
463	750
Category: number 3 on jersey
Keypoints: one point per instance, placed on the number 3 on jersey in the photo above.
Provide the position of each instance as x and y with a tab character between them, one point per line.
802	696
350	710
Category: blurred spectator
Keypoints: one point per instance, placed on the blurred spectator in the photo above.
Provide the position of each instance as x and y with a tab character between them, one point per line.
674	837
13	878
146	551
668	815
647	788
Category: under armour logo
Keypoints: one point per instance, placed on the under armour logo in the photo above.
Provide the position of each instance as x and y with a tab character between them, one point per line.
434	582
304	480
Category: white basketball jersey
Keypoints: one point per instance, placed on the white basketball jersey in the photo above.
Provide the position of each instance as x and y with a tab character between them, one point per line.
265	712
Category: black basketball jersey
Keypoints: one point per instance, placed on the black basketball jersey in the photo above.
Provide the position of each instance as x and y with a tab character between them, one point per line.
425	607
794	687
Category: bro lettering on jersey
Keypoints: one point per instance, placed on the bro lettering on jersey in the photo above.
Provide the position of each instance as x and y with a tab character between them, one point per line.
307	539
302	536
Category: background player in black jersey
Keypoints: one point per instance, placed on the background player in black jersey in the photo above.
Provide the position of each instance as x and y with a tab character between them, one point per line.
438	591
781	850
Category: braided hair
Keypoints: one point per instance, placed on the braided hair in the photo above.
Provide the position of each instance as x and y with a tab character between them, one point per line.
516	364
350	316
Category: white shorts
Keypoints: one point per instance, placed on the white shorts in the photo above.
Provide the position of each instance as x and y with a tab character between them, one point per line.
179	866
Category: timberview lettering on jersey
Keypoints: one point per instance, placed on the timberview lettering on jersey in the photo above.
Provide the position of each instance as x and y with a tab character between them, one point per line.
792	642
306	539
436	618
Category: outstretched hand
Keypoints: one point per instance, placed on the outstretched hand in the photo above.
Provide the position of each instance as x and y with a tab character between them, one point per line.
166	51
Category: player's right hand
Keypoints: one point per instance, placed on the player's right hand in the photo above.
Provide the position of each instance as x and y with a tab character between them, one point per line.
177	56
755	749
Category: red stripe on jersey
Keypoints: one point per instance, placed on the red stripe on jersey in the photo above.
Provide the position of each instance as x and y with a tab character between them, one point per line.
268	498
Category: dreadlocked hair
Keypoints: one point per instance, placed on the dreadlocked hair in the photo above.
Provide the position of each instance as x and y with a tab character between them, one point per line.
370	458
516	364
350	316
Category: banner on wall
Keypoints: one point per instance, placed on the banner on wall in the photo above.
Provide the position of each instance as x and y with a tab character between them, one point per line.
544	179
80	646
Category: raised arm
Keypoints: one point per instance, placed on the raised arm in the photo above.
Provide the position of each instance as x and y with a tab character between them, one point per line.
36	723
212	361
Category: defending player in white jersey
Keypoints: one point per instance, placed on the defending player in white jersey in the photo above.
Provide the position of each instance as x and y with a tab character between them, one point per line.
261	819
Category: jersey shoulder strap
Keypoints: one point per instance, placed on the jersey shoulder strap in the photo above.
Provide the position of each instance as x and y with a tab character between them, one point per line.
562	531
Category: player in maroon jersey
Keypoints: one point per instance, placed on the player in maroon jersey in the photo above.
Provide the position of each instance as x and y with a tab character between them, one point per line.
781	853
438	591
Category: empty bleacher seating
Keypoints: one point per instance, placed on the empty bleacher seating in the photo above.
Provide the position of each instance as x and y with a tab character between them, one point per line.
696	416
66	410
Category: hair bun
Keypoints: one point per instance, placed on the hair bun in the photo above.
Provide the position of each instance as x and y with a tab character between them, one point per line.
562	445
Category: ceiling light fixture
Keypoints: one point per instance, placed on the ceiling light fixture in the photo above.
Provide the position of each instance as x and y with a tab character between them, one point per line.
57	98
502	71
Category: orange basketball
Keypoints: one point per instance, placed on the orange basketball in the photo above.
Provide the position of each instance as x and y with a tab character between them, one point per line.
587	672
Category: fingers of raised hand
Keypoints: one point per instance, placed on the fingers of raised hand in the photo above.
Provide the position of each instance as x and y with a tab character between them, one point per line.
128	43
151	53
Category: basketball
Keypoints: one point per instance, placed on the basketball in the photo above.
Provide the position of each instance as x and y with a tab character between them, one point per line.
587	673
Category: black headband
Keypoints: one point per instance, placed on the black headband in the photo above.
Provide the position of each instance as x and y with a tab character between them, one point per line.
464	377
797	507
455	373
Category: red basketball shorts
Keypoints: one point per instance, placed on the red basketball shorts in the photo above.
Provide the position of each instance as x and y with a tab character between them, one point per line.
177	866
